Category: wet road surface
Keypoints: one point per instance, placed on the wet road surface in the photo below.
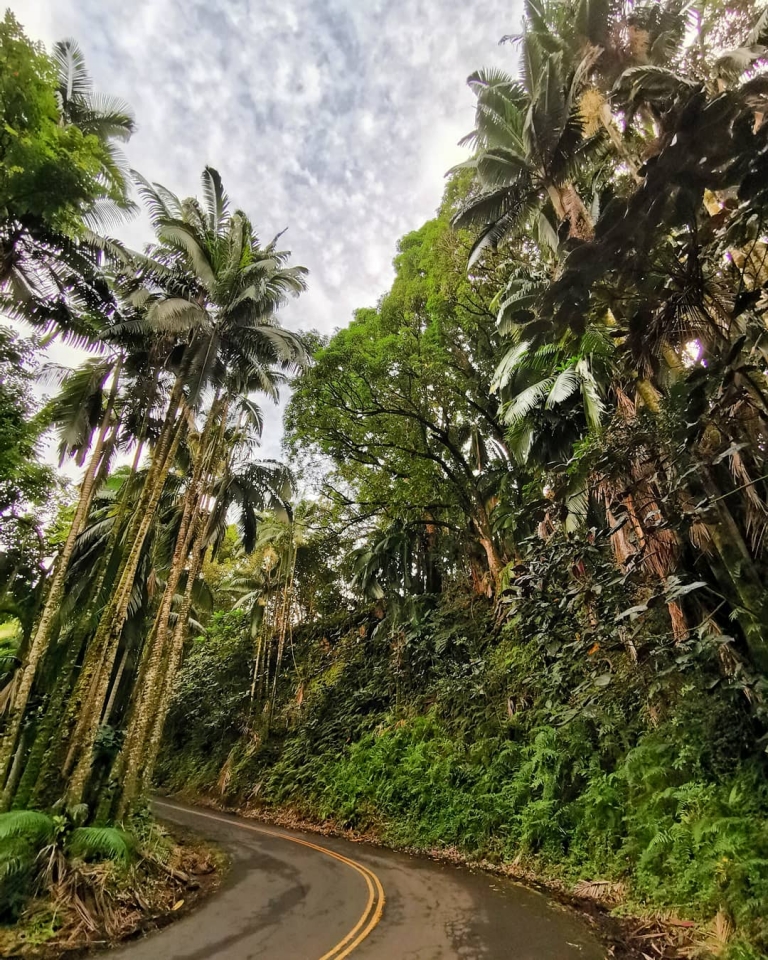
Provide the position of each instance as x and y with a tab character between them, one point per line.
295	896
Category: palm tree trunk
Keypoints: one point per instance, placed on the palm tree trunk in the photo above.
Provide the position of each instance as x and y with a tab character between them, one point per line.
115	687
125	493
155	643
44	628
59	757
156	670
85	697
283	629
15	772
751	611
160	711
648	394
184	540
113	619
150	709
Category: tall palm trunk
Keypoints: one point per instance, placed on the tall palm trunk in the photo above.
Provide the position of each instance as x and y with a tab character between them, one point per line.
43	631
115	687
125	493
284	616
58	756
191	506
113	618
61	755
84	701
162	653
751	611
141	750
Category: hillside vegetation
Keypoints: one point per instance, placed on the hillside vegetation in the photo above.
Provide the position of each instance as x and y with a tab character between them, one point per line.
507	593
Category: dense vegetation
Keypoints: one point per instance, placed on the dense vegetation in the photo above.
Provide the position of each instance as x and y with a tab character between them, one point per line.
162	417
520	607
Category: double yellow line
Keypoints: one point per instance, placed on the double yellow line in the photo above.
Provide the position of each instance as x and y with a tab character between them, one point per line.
373	908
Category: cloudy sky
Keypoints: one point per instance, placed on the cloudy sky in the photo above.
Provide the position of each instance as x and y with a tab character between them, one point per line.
334	118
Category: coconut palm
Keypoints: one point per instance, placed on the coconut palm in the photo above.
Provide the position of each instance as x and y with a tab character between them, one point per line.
50	267
529	142
91	405
210	283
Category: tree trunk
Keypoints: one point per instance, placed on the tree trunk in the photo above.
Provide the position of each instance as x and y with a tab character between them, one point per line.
648	394
155	670
58	757
482	524
113	619
751	611
115	687
570	207
174	661
192	504
44	629
17	766
132	768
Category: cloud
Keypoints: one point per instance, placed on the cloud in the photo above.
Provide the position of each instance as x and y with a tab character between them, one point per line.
333	118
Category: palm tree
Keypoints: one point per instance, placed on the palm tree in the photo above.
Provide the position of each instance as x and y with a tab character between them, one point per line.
529	142
50	266
534	136
210	282
105	117
84	395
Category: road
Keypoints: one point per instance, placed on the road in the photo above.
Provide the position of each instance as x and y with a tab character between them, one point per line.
295	896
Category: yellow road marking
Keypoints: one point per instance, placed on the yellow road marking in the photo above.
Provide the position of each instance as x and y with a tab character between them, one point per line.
373	908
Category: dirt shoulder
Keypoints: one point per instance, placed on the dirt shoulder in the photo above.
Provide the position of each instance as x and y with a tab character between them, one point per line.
101	906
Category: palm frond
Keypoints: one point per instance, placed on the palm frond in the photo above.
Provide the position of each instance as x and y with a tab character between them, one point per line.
565	384
101	843
31	825
509	364
216	200
73	76
520	406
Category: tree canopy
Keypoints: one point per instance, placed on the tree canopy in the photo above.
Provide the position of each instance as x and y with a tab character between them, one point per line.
506	591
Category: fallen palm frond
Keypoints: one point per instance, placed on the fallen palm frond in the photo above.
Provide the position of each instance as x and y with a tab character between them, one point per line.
68	901
606	891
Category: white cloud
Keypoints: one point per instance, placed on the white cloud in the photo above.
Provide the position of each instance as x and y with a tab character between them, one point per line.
334	118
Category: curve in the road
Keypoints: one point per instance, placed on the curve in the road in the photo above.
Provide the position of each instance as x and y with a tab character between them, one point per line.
373	909
284	901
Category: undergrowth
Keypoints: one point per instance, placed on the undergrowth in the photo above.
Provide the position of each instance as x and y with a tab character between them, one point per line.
64	885
553	735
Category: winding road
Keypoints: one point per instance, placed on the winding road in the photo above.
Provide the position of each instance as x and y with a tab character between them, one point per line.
294	896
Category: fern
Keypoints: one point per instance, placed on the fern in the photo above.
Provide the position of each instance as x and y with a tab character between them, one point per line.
101	843
30	825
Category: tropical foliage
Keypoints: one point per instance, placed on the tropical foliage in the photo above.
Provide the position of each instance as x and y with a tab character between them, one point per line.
519	607
162	417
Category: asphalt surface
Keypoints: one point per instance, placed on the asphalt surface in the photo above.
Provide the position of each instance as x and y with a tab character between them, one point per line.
295	896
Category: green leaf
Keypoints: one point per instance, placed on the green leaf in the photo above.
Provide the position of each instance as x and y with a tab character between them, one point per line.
101	843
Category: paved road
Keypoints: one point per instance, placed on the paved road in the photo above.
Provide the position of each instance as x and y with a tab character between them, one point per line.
294	896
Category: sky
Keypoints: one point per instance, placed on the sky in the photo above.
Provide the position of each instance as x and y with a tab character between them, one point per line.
335	119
